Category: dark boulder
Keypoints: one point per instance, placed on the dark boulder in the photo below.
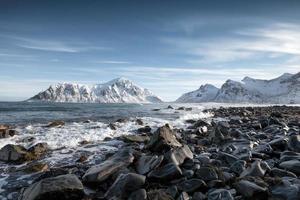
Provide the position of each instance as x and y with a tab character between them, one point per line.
64	187
101	172
124	185
163	139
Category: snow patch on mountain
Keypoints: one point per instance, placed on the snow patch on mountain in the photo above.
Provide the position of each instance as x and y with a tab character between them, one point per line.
205	93
283	89
120	90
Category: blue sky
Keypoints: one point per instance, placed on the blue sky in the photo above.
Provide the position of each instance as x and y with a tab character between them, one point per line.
169	47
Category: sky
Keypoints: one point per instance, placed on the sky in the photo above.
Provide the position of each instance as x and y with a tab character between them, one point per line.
170	47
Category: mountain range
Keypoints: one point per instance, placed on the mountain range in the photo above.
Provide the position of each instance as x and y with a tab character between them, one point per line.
120	90
282	90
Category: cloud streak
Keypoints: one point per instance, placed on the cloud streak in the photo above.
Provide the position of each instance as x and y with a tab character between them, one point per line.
265	42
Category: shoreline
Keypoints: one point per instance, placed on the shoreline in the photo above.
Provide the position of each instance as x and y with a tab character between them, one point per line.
239	153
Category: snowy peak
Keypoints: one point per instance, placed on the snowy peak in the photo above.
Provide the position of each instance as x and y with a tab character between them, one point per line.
283	89
205	93
120	90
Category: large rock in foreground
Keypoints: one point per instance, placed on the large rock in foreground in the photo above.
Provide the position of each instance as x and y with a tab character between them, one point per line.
163	139
64	187
101	172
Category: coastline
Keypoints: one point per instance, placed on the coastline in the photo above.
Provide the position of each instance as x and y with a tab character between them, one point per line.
238	153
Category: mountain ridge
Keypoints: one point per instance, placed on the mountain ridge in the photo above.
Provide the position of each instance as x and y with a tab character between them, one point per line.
283	89
119	90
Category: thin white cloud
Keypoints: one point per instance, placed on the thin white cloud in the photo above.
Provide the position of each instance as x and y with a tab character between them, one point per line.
269	41
53	45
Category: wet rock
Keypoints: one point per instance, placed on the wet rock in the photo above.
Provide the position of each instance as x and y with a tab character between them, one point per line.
146	129
170	107
172	191
238	167
291	165
163	139
198	196
282	173
251	190
179	155
39	148
219	194
227	158
286	190
136	138
15	153
181	108
6	131
279	143
257	168
146	163
34	167
57	123
165	173
101	172
112	126
124	185
207	174
139	122
82	158
140	194
191	185
294	143
183	196
67	187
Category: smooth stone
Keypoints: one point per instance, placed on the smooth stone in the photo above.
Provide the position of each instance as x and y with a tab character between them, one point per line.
172	191
6	131
238	167
227	158
163	139
264	148
183	196
286	190
291	165
257	168
57	123
198	196
101	172
187	173
167	172
282	173
39	148
207	174
179	155
140	194
251	190
16	154
146	163
124	185
191	185
219	194
294	143
139	122
146	129
64	187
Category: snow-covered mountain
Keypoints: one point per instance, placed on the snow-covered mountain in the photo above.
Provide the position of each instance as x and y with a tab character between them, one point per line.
120	90
205	93
284	89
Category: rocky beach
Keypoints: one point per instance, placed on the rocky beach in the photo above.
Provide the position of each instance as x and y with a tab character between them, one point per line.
233	153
